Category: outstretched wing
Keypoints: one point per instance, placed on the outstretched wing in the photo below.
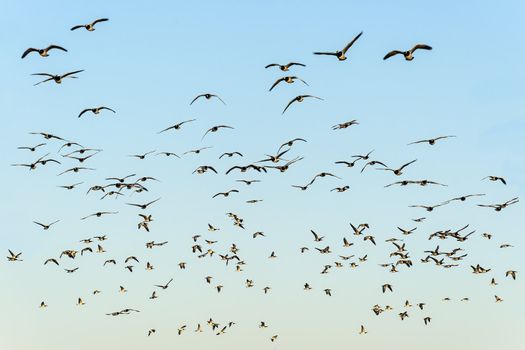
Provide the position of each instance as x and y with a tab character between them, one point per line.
392	53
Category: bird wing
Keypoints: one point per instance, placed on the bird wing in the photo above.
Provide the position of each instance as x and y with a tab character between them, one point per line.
288	105
84	111
195	99
420	46
349	45
392	53
276	83
71	73
326	53
100	20
26	52
50	47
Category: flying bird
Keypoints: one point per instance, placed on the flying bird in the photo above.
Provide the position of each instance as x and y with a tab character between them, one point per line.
42	52
56	78
287	79
90	26
431	142
407	54
285	67
95	110
299	98
208	97
341	55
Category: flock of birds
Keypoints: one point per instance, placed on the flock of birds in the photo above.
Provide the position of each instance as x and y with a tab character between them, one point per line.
278	162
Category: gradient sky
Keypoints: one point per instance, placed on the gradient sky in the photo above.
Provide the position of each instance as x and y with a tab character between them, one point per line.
151	59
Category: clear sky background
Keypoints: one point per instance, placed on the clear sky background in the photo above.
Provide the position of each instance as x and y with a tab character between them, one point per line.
151	59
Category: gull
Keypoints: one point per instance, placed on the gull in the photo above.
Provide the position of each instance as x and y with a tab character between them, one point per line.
90	26
44	226
287	79
300	98
33	148
215	129
143	206
407	54
95	110
177	126
207	96
56	78
341	55
431	141
399	171
71	270
42	52
285	67
495	178
386	286
99	214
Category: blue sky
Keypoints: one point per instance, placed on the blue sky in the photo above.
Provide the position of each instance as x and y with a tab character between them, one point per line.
152	58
